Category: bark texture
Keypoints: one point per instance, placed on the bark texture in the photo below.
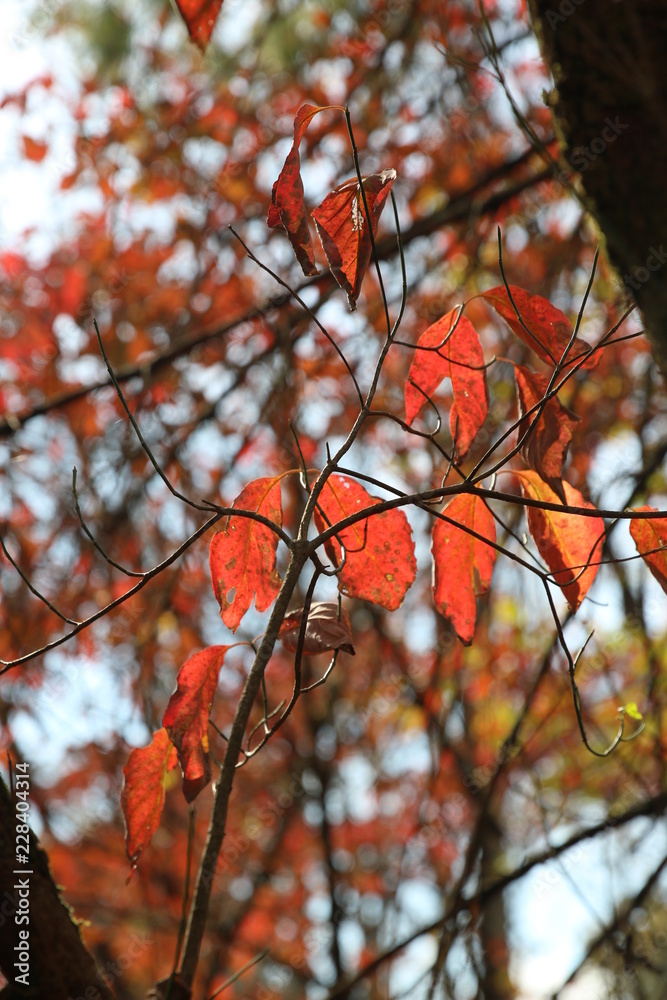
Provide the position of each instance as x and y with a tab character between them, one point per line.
609	62
61	968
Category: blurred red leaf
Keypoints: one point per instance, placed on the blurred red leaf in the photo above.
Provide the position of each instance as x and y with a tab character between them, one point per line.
462	563
545	329
243	555
546	447
649	534
566	542
142	797
325	629
287	205
459	357
33	149
199	17
380	563
187	714
342	227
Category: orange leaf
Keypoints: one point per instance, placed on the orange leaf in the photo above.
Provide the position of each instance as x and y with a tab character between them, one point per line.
380	561
462	563
243	556
548	441
33	149
187	714
545	329
199	17
142	798
342	227
566	542
287	205
325	629
459	357
649	534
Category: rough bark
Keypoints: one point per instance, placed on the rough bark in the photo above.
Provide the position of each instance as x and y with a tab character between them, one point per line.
61	968
609	62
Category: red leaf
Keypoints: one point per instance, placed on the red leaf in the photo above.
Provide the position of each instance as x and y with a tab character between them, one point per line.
142	797
458	357
380	561
199	17
566	542
548	329
462	564
548	441
342	227
649	534
243	556
325	629
187	714
33	149
287	206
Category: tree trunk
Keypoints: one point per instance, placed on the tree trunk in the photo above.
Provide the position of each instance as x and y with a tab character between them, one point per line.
609	62
58	964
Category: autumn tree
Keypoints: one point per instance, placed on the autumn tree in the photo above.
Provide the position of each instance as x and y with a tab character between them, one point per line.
332	612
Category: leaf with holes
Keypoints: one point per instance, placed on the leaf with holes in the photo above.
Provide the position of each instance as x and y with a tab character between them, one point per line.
142	798
380	563
287	203
570	544
243	555
650	534
543	327
343	228
546	446
187	714
462	561
327	628
200	17
450	348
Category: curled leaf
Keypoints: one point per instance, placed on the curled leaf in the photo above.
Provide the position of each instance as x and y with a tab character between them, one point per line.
343	229
326	629
187	714
287	203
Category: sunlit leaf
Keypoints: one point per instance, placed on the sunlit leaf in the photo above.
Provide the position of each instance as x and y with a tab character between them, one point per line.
380	563
187	714
199	17
142	798
543	327
450	349
570	544
649	535
462	563
243	555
